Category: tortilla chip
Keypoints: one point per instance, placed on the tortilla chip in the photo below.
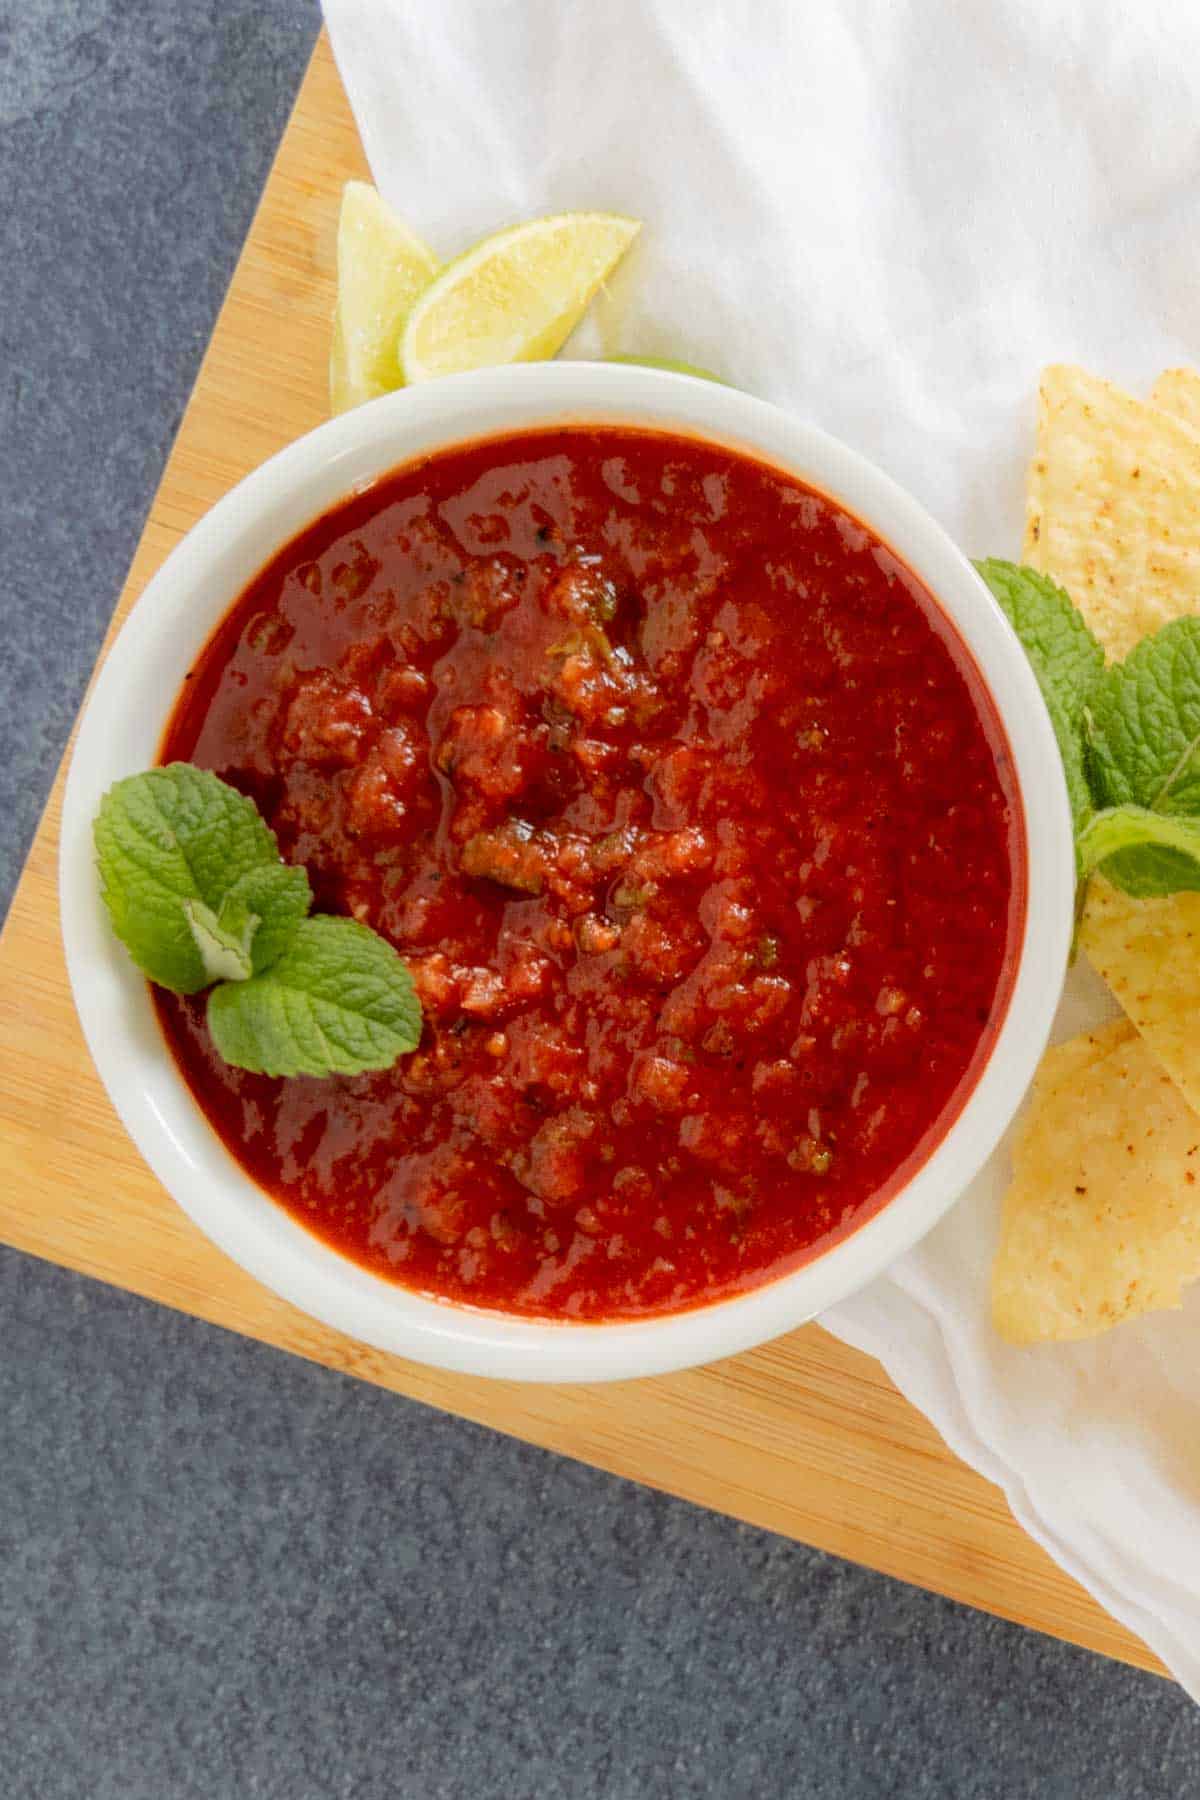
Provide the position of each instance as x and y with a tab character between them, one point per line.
1148	951
1113	506
1178	391
1102	1221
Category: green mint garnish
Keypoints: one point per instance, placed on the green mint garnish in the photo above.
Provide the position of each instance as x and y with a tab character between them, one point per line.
224	940
1144	752
197	892
338	1001
1066	659
1129	735
1141	851
180	834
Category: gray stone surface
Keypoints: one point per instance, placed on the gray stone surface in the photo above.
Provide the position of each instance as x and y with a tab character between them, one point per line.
226	1574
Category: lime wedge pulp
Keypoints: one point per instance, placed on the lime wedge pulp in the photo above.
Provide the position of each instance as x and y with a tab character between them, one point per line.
515	297
381	268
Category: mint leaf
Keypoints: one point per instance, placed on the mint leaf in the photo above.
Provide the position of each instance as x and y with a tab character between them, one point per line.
224	942
1067	660
180	834
278	896
1145	749
1145	727
1158	853
338	1001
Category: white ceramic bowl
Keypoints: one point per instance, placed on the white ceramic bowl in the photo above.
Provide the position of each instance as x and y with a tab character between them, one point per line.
120	733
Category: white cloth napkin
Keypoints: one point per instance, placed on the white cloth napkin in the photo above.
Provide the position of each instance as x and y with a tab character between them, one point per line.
886	215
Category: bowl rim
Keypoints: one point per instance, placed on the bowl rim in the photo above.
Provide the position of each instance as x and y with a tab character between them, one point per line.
196	585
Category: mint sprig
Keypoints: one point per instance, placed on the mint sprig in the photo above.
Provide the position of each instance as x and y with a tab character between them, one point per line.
197	892
1129	735
1066	658
223	939
1141	851
180	834
1144	753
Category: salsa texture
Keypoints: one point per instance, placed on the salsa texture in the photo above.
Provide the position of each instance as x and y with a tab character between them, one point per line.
698	832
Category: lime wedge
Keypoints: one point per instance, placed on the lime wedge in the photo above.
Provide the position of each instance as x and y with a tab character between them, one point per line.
515	297
381	268
676	368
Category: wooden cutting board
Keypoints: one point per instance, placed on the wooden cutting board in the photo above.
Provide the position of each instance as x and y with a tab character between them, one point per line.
805	1437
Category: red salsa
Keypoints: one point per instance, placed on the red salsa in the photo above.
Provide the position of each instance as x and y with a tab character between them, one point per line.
698	832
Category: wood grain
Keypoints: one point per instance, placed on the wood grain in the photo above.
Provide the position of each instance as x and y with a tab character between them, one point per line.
805	1437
